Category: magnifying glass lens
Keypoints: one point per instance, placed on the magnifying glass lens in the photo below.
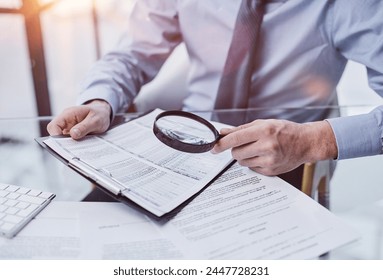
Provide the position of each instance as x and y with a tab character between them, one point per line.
185	131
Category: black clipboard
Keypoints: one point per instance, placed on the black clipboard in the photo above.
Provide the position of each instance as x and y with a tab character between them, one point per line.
119	197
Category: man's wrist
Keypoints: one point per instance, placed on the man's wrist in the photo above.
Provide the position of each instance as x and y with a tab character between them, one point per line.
321	140
98	102
102	103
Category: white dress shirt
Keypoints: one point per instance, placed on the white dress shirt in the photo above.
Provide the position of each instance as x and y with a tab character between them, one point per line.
304	49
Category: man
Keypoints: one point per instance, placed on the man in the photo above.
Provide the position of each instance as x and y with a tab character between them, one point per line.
303	48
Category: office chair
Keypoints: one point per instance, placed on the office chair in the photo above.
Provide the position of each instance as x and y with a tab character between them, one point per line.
316	180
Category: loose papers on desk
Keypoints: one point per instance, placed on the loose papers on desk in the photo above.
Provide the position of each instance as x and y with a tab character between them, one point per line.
243	215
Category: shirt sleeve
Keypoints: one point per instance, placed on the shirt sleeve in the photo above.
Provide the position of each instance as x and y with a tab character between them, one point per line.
356	29
358	136
152	34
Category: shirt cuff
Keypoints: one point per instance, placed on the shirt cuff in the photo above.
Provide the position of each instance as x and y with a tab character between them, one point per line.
100	92
358	136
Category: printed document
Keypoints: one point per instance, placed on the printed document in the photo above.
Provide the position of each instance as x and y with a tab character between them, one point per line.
245	215
130	161
242	215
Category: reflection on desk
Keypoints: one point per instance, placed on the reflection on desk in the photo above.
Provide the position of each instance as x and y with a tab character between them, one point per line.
355	186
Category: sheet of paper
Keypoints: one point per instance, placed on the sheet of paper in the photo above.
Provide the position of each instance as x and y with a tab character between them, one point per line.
131	160
115	231
243	215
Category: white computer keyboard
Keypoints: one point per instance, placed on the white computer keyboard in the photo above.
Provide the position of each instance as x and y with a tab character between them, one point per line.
18	206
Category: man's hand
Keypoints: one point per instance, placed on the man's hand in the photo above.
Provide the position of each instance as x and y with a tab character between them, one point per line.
273	147
78	121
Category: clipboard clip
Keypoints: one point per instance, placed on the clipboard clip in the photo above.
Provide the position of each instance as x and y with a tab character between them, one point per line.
100	175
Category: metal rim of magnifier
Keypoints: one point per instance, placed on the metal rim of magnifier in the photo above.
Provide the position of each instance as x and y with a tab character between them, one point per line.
182	146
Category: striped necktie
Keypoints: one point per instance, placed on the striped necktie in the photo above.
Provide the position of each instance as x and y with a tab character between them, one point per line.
234	87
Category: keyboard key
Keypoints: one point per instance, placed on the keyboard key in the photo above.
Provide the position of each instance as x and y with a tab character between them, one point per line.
13	195
31	199
12	210
45	195
12	188
27	211
10	202
23	190
12	219
7	227
34	193
22	205
3	193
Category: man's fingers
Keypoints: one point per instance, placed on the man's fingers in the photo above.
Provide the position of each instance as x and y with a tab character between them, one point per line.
54	129
235	138
83	128
58	126
260	165
64	122
249	150
92	123
79	131
228	130
79	121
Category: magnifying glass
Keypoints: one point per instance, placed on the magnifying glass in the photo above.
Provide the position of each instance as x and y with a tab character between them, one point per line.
185	131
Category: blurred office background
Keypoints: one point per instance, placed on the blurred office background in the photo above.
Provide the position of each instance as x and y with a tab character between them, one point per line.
74	34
